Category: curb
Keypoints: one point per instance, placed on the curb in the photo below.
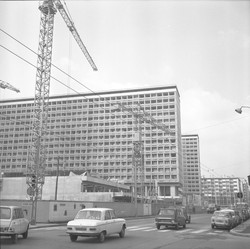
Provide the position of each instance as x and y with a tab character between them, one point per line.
47	225
239	231
240	234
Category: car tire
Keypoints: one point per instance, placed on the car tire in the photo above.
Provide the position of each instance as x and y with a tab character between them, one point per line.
25	235
177	227
122	233
14	238
230	227
101	237
158	226
73	237
184	225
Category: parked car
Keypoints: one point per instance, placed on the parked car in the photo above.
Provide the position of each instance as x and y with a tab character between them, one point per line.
170	217
13	222
96	222
186	214
223	219
238	216
212	207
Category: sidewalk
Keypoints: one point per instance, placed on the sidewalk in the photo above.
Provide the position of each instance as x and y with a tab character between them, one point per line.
242	230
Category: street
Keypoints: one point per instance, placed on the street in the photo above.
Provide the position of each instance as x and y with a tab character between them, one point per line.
140	234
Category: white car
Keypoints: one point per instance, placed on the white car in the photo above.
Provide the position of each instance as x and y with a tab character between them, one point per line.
96	222
13	222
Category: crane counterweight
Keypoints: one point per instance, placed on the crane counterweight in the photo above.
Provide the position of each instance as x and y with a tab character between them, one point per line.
5	85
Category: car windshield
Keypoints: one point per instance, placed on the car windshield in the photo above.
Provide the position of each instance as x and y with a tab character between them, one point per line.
89	214
5	213
166	212
222	214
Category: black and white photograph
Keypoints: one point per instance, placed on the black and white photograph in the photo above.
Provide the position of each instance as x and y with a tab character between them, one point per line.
125	124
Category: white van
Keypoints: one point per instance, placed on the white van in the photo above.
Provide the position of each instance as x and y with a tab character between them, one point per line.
13	222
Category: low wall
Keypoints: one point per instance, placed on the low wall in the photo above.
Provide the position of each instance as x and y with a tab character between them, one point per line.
63	211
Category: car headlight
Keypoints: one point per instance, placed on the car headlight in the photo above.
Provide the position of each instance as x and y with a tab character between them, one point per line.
12	229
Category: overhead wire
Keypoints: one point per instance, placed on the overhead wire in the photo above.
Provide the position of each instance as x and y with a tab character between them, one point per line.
100	96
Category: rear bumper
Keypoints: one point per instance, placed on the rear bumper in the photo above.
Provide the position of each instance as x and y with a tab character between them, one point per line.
166	223
221	225
95	234
7	233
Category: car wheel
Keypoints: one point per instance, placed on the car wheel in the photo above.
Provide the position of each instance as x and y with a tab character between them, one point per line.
101	237
184	225
230	227
158	226
122	233
177	226
73	238
25	235
14	238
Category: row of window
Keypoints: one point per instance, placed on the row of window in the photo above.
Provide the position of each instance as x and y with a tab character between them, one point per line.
84	99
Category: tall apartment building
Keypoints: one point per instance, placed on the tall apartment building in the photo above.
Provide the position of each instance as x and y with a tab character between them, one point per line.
223	191
88	134
191	165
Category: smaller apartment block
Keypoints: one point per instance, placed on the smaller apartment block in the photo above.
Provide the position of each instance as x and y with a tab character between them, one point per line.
191	165
223	191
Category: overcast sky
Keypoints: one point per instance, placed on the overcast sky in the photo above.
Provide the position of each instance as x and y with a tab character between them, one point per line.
203	47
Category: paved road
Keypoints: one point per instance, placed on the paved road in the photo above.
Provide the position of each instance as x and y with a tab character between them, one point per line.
140	234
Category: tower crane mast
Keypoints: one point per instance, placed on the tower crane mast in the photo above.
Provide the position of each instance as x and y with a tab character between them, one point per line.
5	85
37	155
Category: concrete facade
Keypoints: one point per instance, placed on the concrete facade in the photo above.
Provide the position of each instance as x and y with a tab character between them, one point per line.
191	164
88	134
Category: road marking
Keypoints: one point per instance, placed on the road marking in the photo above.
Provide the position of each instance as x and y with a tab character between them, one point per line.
149	230
139	228
200	231
132	227
186	230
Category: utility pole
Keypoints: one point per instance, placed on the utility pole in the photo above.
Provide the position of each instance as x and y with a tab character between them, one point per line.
57	173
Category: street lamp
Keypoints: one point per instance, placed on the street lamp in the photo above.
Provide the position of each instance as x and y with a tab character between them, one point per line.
239	110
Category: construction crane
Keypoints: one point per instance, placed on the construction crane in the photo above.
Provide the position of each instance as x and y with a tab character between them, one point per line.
5	85
140	116
37	155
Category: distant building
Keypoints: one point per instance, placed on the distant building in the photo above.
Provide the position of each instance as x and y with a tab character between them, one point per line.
87	133
223	191
191	165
